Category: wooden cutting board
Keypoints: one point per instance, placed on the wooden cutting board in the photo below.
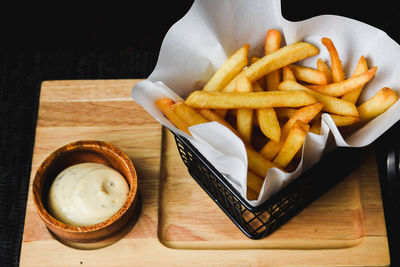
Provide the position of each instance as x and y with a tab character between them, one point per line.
179	224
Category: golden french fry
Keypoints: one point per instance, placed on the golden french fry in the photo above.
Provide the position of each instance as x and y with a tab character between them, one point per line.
287	74
316	126
344	120
188	114
210	115
331	104
361	68
285	113
323	66
251	195
292	144
377	104
233	113
245	123
166	106
336	63
254	183
278	59
337	119
269	124
244	117
257	163
254	100
270	149
272	43
232	67
309	75
337	89
266	119
261	81
221	112
243	85
272	80
304	114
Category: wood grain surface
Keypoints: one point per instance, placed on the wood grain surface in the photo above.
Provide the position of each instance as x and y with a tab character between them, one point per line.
179	224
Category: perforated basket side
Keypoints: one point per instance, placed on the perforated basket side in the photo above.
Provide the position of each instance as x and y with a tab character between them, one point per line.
258	222
255	224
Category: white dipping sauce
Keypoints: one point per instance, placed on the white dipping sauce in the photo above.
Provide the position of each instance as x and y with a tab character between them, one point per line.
86	194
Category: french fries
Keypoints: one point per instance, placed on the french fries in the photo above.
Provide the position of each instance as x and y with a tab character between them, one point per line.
268	123
337	89
316	126
257	163
188	114
361	68
344	120
210	115
254	184
254	100
244	116
287	74
324	67
336	63
331	104
232	66
304	114
276	60
292	144
272	43
377	104
266	119
166	106
285	113
309	75
275	98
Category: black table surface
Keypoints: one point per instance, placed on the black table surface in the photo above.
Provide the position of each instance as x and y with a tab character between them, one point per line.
103	42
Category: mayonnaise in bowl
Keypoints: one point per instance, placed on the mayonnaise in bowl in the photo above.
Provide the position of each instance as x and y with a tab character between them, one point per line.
86	194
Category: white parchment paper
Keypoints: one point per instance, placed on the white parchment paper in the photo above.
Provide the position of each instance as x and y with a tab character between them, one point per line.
212	30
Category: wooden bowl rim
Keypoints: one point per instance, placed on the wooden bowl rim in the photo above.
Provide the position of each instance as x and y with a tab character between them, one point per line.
87	144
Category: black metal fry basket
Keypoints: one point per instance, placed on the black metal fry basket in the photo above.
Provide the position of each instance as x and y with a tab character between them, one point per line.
258	222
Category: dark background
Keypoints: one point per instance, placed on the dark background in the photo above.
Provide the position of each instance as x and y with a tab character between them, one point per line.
72	41
143	25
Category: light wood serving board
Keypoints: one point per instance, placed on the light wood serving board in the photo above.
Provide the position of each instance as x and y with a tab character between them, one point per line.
179	225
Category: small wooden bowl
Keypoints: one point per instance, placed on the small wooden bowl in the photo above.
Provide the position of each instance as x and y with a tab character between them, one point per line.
79	152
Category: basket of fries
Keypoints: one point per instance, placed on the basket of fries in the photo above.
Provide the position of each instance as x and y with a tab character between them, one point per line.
259	126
